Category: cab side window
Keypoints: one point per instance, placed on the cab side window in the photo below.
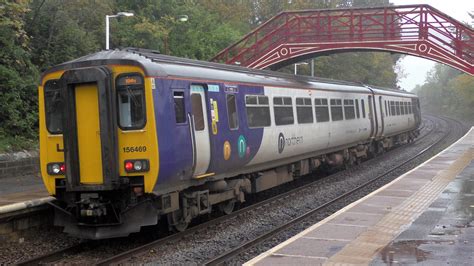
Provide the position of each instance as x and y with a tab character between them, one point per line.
54	107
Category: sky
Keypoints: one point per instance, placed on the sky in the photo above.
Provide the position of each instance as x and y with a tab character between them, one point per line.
416	68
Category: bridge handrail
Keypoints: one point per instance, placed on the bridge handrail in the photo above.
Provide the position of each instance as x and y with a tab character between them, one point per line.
458	36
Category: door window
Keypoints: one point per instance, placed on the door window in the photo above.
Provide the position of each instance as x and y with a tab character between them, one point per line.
196	102
232	115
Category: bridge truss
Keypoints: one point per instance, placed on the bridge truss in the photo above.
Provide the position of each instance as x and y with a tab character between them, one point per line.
418	30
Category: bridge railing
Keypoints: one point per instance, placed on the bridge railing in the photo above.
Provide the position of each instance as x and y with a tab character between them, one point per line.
393	23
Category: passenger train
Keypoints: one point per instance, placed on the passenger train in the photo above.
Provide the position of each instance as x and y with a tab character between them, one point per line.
129	137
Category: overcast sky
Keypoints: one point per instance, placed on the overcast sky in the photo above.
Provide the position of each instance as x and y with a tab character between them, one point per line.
416	68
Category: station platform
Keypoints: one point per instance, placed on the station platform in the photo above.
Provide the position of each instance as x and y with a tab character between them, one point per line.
19	197
424	216
22	188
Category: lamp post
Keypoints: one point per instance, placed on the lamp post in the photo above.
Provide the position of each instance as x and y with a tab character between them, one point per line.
297	64
119	14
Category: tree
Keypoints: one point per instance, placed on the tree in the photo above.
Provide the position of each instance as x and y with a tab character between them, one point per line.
17	74
64	30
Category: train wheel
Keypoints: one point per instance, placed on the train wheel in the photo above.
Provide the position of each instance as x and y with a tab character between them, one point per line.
227	207
181	226
176	221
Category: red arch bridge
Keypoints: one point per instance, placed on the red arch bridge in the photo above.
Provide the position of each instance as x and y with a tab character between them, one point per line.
418	30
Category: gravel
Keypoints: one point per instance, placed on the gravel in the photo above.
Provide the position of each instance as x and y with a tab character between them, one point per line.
209	243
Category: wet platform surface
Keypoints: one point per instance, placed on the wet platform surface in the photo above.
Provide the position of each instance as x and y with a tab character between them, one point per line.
20	189
425	216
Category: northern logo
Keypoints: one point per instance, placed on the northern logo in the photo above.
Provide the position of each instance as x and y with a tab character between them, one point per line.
281	143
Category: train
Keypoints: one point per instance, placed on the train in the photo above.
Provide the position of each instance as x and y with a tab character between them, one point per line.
131	137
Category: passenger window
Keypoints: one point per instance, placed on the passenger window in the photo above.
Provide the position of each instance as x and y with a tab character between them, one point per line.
180	112
54	107
336	110
283	109
304	110
410	110
397	107
386	109
258	111
402	108
406	107
321	109
357	108
232	116
363	107
131	101
349	112
196	103
392	108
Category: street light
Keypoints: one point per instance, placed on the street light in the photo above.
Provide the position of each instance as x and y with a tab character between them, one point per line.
183	18
119	14
297	64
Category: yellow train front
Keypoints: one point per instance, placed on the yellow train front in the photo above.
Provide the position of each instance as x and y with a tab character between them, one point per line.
99	154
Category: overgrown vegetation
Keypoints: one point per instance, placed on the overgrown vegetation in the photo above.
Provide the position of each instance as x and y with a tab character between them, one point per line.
448	91
37	34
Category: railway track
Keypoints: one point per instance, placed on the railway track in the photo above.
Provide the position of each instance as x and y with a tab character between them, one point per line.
427	127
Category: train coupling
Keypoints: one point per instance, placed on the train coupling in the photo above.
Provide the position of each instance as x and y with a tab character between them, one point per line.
92	206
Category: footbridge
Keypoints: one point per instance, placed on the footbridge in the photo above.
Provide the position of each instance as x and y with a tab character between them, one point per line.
418	30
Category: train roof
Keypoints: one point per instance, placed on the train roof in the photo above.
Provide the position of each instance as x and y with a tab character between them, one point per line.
159	65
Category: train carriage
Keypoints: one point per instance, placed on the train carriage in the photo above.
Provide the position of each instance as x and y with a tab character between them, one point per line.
128	137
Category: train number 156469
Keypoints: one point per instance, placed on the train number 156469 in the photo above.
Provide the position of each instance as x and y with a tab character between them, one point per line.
134	149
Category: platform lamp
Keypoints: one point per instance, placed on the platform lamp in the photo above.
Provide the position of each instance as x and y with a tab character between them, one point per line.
119	14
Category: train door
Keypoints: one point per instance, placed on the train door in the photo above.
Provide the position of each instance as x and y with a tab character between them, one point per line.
200	130
88	138
372	117
382	115
416	111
